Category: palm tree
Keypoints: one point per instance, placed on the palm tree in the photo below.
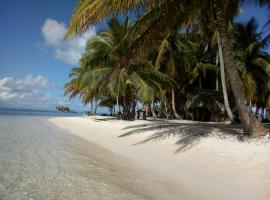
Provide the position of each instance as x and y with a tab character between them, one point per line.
250	125
166	47
160	17
199	61
223	81
76	87
137	80
253	60
184	59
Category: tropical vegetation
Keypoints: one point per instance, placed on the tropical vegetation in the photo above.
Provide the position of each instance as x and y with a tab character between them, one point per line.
167	58
62	108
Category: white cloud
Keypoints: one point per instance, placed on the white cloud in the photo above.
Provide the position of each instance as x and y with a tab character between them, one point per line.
33	93
68	51
27	92
53	32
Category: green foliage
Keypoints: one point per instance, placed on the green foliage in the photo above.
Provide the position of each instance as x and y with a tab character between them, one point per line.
170	45
253	60
91	78
62	109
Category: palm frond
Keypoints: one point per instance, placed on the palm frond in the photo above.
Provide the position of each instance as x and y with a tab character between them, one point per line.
88	13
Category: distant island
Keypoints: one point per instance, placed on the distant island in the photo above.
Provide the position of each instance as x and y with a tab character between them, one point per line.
63	108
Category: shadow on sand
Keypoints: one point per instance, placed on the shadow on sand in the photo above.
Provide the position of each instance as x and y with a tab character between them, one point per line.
188	133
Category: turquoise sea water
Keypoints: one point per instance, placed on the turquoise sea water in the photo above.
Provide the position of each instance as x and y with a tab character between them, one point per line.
24	112
41	161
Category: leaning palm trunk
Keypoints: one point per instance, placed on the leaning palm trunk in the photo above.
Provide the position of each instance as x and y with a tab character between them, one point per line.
223	82
251	126
173	106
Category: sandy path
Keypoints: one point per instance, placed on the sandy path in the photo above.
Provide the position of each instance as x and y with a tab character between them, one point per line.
42	162
204	166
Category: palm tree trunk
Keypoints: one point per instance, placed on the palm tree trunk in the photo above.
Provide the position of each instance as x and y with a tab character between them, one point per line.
92	107
133	109
118	106
223	82
173	106
126	111
250	125
133	105
153	109
111	108
217	85
200	82
166	110
95	106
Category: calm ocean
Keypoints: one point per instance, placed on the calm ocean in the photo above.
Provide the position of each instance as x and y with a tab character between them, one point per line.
41	161
25	112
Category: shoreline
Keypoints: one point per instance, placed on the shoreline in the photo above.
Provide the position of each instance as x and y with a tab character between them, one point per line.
126	174
202	167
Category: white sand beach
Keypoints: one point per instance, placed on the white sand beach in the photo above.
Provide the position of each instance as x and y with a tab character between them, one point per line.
180	159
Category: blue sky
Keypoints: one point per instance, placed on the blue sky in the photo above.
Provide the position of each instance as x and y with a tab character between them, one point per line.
35	62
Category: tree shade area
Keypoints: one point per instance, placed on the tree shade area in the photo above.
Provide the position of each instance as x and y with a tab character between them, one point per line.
176	59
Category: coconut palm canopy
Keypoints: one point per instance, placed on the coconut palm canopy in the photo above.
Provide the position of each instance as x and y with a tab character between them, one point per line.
90	79
149	41
253	60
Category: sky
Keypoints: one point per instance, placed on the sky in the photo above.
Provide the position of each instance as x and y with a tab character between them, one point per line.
35	61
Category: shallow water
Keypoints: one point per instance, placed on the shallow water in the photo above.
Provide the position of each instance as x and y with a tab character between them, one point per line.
39	161
25	112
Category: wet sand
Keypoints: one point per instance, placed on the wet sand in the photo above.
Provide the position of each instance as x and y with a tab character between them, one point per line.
42	162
